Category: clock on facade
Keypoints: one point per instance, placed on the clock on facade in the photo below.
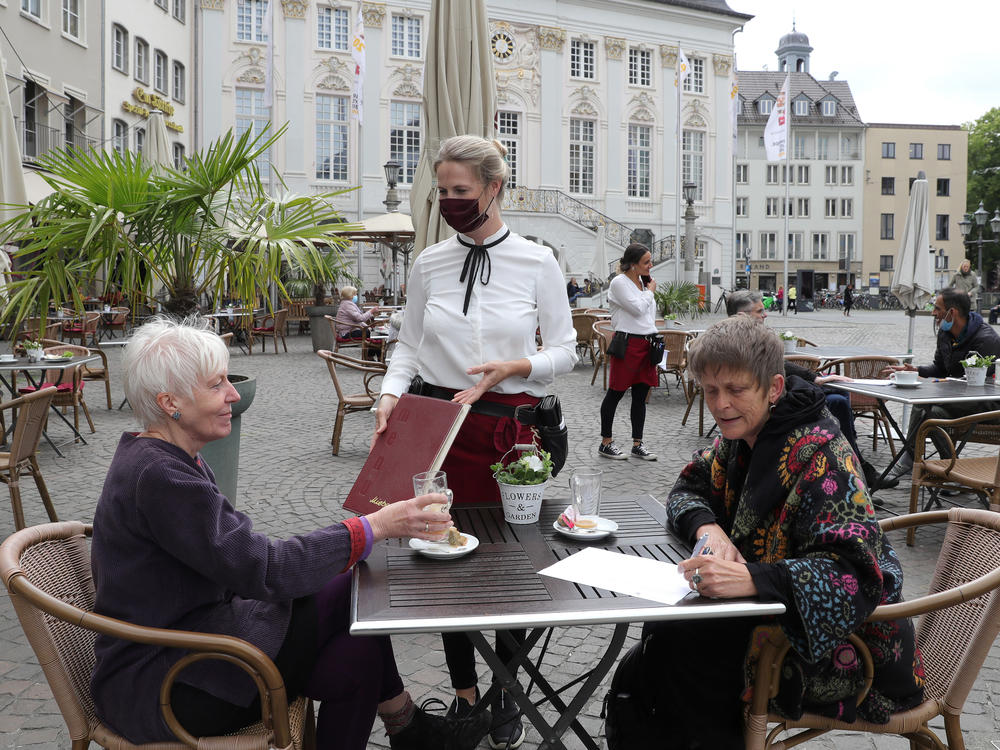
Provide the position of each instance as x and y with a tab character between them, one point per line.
502	44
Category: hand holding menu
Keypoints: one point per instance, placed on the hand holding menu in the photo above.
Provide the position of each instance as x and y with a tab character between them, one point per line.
417	438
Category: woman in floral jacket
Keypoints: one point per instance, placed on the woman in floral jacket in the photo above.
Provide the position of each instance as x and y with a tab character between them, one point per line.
788	518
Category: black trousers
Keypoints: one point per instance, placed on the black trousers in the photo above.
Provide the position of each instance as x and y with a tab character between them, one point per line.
460	656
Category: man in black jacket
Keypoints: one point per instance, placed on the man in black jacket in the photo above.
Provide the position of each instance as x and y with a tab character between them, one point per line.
960	332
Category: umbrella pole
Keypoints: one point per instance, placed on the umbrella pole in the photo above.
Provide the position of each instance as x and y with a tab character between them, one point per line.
911	313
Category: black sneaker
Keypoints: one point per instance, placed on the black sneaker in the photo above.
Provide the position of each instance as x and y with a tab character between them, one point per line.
611	451
506	732
639	451
429	732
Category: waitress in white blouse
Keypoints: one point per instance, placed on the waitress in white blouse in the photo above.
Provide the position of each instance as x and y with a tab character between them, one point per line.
633	312
473	305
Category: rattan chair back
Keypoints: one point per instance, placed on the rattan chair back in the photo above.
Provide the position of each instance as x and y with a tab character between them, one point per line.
603	333
584	325
867	368
803	360
32	410
46	570
348	403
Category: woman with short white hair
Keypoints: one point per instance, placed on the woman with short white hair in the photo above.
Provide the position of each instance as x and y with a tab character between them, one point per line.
350	316
170	551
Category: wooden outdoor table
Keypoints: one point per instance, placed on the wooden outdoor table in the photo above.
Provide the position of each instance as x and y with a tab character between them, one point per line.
497	587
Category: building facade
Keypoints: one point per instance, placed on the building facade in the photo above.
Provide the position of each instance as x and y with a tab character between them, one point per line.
894	156
587	108
149	65
823	176
51	51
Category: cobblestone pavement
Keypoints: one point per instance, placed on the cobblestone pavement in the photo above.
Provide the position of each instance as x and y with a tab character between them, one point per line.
290	483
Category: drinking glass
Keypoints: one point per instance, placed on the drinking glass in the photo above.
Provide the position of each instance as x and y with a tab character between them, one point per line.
427	482
586	488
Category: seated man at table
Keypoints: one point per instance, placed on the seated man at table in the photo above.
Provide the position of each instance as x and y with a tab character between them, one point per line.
960	331
752	304
786	519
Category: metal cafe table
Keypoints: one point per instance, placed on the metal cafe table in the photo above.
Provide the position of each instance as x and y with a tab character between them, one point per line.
497	586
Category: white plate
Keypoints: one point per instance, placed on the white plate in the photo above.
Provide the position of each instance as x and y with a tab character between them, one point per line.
56	358
604	527
443	551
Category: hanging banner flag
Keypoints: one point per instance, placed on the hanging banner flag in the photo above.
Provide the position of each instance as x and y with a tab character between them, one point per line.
776	130
734	105
683	67
269	55
358	55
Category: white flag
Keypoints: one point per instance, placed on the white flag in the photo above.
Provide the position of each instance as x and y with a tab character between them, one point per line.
776	131
683	67
358	55
734	106
269	55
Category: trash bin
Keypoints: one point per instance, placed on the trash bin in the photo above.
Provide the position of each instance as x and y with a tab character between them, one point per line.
223	456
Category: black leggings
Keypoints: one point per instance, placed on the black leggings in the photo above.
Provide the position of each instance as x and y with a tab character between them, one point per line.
460	655
610	403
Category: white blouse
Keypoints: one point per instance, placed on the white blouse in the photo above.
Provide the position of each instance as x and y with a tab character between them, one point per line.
632	310
526	291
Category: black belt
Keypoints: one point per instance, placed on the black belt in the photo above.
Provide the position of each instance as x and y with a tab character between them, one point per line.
644	336
489	408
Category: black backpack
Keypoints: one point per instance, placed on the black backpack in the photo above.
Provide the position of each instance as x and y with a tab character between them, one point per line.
629	710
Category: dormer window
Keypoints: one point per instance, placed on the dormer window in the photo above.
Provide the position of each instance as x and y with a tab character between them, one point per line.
764	106
829	108
800	107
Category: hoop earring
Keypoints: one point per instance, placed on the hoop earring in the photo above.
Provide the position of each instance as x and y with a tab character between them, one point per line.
770	407
176	416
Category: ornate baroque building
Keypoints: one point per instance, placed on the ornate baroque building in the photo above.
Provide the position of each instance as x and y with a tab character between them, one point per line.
586	97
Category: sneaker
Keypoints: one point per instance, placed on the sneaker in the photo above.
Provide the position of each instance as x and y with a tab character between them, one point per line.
506	731
639	451
429	732
611	451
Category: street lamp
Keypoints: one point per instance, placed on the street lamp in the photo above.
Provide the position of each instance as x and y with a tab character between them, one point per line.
392	200
689	217
965	226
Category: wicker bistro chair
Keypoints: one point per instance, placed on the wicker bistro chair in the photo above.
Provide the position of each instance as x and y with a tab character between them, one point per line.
116	320
960	618
585	337
802	360
68	384
676	344
31	411
603	333
867	406
47	572
82	328
340	342
355	402
270	325
91	371
981	474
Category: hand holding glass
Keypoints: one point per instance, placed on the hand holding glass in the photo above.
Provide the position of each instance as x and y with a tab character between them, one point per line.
429	482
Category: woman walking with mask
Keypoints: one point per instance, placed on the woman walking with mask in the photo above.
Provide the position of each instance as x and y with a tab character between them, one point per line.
473	305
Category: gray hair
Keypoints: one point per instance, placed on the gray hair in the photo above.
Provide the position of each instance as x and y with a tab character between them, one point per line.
485	158
740	344
166	355
742	300
346	292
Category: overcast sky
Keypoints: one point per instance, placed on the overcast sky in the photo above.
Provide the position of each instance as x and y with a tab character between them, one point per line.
907	61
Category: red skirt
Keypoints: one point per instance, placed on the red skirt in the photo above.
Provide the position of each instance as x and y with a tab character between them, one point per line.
482	440
633	368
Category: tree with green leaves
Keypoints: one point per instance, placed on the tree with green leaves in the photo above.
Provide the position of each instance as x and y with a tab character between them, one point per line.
165	235
984	161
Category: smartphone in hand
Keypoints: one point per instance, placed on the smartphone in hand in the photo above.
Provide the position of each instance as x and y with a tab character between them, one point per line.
645	280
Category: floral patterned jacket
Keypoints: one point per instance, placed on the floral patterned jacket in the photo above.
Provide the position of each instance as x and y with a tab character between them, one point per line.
797	508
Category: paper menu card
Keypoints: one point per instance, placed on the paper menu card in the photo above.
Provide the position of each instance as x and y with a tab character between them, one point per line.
624	574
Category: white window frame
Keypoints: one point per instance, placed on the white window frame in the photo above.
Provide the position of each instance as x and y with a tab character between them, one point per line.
333	137
250	20
72	14
160	4
640	161
141	60
847	208
407	36
846	241
802	174
772	207
794	246
773	174
802	208
742	174
829	108
509	134
800	107
33	9
693	160
820	246
405	137
180	10
251	115
742	243
830	208
178	152
764	106
831	174
847	175
179	81
119	48
333	29
160	72
119	136
582	156
768	247
694	83
140	140
640	67
800	146
742	207
583	59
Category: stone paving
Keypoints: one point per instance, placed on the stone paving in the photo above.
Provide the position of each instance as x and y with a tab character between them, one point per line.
290	483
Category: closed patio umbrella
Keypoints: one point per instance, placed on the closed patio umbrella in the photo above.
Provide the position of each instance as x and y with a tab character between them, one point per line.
913	277
157	151
459	99
599	265
13	196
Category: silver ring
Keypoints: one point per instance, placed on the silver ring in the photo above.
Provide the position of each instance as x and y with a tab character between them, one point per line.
696	579
427	527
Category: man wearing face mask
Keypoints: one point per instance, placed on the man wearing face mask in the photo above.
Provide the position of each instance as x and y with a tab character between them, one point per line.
960	331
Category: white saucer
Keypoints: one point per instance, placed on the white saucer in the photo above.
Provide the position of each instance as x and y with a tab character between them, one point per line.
604	527
907	385
443	551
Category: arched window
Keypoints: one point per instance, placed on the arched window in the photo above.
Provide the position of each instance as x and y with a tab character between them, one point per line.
119	136
119	48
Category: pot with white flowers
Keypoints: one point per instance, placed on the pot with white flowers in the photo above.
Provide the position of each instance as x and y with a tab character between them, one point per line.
790	340
976	366
522	482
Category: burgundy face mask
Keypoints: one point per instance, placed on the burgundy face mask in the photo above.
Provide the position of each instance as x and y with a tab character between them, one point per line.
462	214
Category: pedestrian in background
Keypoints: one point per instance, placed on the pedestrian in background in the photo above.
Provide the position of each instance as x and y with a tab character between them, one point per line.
848	300
792	297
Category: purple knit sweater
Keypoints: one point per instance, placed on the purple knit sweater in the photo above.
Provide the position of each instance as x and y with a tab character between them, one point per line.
170	551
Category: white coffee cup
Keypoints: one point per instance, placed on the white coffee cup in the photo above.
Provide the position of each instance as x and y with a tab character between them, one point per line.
904	377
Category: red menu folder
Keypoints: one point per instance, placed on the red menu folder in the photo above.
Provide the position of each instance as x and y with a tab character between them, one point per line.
417	438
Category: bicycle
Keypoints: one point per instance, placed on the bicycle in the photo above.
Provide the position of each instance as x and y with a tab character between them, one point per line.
721	304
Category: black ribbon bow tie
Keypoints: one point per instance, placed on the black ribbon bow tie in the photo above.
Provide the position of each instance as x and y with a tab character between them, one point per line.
477	261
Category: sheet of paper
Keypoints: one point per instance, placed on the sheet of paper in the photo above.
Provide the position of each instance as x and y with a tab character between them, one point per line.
869	381
623	574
